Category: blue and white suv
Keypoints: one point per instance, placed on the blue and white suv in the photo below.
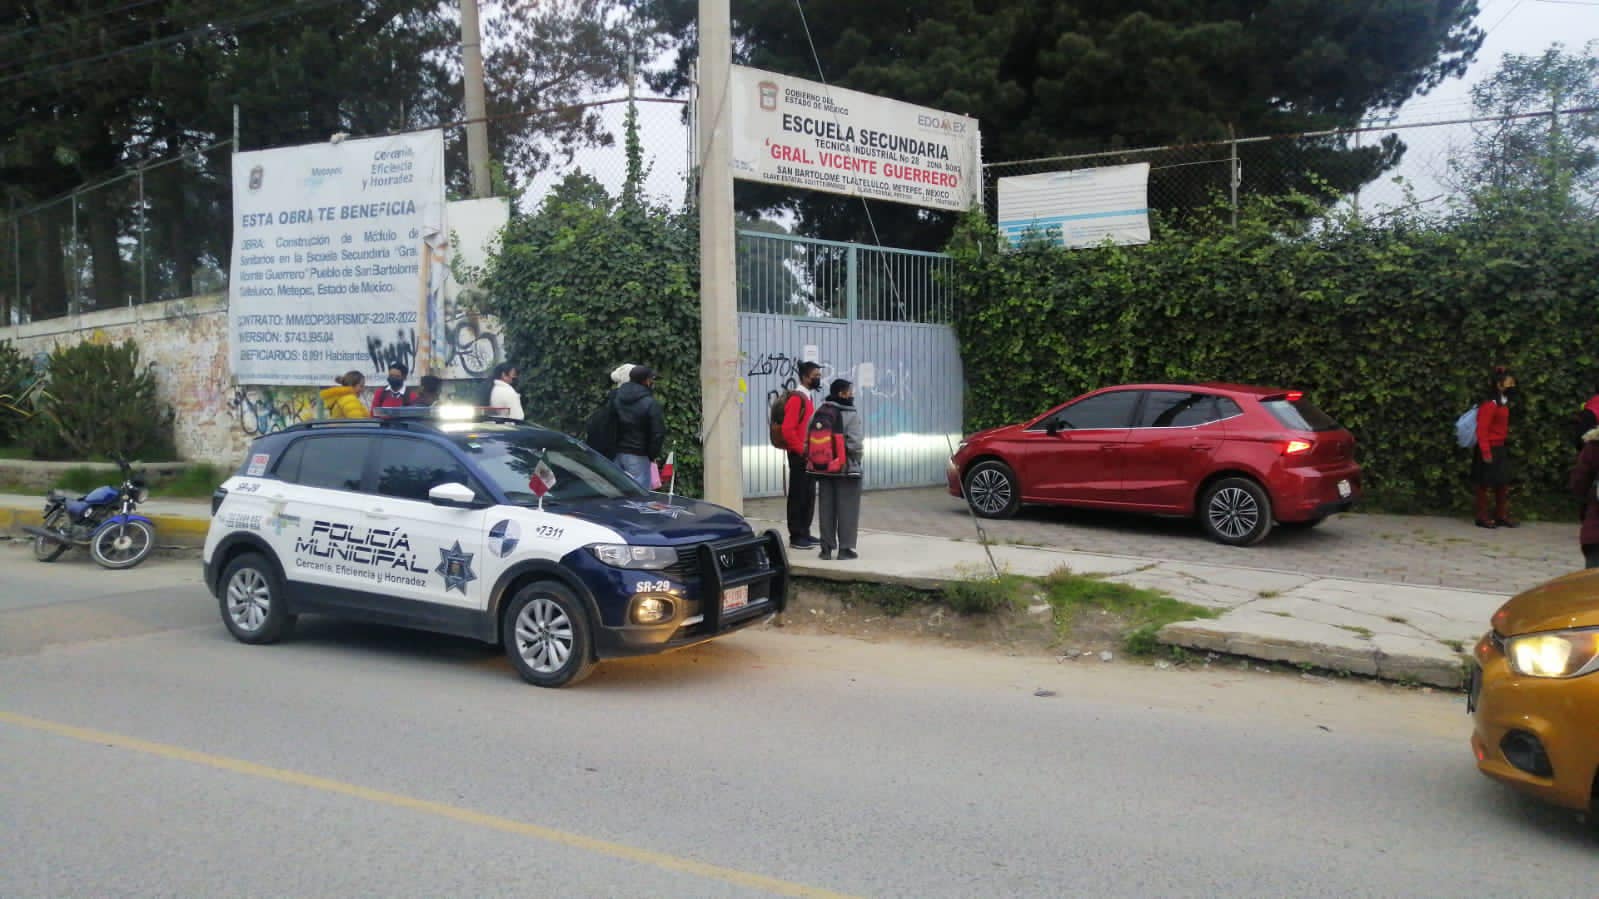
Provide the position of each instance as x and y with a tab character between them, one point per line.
435	523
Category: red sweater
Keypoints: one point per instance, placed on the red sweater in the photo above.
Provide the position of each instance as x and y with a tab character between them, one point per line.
1493	426
796	418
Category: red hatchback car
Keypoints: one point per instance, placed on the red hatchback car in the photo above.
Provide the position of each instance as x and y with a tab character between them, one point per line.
1237	458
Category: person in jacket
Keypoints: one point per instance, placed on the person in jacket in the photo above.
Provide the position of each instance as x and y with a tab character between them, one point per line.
344	399
394	394
839	493
1587	419
1583	477
641	426
503	393
797	411
1490	468
622	374
432	389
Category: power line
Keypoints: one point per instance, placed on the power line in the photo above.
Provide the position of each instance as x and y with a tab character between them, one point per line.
42	26
1508	13
226	27
1571	2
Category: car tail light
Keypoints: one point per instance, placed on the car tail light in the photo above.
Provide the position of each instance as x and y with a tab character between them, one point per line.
1298	447
1295	396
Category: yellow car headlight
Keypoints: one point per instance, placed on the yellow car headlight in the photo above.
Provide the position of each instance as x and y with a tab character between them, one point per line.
1570	653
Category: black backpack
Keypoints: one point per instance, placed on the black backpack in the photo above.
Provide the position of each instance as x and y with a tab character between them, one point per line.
604	428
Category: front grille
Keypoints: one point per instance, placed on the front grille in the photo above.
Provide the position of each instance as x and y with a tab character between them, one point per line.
735	562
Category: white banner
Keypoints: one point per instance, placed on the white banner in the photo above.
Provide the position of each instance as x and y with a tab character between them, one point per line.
339	259
803	134
1084	208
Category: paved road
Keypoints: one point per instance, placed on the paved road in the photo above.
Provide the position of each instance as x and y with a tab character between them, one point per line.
143	752
1436	552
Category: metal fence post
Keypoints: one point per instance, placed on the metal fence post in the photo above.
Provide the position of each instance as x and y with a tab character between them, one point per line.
75	298
1234	172
144	254
852	290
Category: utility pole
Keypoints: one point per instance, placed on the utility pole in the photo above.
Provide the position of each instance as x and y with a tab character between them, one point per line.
477	124
724	478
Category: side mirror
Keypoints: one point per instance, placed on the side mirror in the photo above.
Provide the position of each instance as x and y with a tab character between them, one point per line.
453	496
1052	427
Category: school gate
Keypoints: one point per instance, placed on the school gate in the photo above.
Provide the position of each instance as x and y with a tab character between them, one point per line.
882	318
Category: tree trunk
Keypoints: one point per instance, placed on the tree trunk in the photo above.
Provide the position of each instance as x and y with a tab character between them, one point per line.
48	264
98	219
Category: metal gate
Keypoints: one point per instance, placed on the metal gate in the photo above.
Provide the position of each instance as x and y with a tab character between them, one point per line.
881	318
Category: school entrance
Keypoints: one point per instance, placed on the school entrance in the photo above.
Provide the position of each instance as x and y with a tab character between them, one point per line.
882	318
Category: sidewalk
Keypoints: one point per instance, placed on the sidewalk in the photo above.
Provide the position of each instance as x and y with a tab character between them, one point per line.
1367	627
1391	631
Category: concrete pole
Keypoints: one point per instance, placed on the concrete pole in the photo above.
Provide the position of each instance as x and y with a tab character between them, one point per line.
477	124
724	479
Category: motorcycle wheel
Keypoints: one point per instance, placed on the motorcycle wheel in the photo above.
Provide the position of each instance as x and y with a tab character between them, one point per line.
49	550
122	545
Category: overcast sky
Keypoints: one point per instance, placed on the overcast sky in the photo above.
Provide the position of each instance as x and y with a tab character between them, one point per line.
1527	27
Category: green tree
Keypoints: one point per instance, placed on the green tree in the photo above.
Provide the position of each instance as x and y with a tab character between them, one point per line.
588	282
1542	161
1080	75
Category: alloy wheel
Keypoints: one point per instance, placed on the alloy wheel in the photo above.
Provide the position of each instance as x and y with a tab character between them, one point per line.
544	635
1234	513
990	491
249	600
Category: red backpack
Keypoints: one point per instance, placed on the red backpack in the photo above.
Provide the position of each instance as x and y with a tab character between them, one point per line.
824	442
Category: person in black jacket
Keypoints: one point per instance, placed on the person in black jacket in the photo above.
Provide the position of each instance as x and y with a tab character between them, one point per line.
641	431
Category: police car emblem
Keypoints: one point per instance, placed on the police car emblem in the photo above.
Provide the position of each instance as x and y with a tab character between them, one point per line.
456	567
656	508
503	538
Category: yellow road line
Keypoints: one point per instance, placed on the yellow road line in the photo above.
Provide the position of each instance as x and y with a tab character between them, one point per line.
396	800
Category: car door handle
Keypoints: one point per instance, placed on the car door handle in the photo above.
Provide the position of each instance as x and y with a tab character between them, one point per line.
1201	447
376	513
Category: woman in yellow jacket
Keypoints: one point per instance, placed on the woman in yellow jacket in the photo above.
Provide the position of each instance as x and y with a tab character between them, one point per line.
344	401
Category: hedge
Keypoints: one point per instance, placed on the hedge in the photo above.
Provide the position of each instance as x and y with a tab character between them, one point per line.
1392	327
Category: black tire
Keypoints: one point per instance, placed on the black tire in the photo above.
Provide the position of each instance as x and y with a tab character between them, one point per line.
992	490
1300	525
547	635
49	550
1236	512
250	595
138	541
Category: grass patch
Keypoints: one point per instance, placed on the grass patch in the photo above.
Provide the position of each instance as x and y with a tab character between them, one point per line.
1396	619
1145	611
15	453
1362	632
1269	594
1455	645
195	482
982	596
81	479
1280	614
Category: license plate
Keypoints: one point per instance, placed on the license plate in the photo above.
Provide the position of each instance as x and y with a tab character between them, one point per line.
735	598
1345	489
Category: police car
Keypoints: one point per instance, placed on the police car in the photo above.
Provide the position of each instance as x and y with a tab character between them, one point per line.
453	521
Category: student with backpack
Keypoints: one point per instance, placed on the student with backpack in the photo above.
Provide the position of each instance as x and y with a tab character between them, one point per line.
834	445
790	415
1490	467
1584	484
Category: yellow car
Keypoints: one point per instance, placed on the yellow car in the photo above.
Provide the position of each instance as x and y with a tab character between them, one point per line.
1534	693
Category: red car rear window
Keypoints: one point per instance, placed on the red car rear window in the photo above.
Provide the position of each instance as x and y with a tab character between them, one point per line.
1300	415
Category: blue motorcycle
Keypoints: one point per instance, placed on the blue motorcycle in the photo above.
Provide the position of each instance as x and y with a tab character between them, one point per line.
105	520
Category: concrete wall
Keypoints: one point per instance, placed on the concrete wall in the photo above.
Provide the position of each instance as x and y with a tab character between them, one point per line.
186	341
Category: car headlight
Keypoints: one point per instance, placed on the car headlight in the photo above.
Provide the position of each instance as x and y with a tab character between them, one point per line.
1555	654
648	558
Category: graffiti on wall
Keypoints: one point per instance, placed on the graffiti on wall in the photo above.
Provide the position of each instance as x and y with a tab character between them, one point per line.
471	340
400	351
891	381
259	411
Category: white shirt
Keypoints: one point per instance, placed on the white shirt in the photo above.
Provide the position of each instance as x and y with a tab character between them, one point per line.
505	396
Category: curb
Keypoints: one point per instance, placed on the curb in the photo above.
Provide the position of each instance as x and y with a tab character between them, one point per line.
173	530
1433	669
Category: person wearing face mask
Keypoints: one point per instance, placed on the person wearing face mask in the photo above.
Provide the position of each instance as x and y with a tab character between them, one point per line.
1490	468
503	394
394	394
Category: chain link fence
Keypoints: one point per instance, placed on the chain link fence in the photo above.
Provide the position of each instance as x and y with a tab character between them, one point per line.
155	233
163	231
1424	166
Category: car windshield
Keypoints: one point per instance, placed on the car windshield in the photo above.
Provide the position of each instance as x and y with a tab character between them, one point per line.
1301	415
509	456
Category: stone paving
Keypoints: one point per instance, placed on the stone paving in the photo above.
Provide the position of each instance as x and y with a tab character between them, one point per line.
1397	549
